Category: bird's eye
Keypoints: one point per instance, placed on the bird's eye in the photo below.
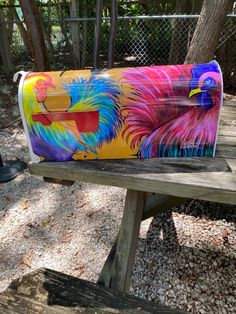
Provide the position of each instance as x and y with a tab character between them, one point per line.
40	82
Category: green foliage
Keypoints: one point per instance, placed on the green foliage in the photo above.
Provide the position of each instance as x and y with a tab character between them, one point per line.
128	31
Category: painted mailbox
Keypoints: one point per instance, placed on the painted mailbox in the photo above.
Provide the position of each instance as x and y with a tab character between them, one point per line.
146	112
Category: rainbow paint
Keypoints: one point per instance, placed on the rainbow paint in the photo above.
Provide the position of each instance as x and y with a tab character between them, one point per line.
146	112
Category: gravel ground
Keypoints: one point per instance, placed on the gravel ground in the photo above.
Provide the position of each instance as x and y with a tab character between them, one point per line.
186	257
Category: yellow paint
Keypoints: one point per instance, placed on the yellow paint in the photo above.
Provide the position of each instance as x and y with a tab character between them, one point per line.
57	99
195	91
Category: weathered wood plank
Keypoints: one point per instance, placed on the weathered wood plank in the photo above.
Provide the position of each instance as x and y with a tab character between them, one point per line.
228	116
153	205
158	203
227	125
228	113
186	178
226	140
50	292
198	178
229	103
105	275
232	164
58	181
117	270
134	166
227	131
226	151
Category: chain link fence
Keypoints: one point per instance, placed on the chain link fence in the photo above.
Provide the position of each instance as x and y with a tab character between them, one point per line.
142	41
155	40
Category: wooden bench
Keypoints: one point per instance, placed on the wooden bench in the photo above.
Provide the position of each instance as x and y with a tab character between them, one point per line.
48	291
173	180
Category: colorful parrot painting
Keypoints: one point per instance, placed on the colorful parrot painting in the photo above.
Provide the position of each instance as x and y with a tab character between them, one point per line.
146	112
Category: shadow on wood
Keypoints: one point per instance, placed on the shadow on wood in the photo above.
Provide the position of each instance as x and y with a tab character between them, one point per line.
48	291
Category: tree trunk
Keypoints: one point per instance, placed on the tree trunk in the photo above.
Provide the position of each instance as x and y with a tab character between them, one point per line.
23	32
196	9
48	31
196	6
113	30
35	32
209	26
10	18
75	34
85	15
179	39
4	47
63	26
97	32
225	55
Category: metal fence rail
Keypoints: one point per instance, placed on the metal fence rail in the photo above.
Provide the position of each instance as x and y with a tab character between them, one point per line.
147	40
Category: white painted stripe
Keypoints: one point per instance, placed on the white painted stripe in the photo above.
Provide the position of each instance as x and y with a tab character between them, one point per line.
34	158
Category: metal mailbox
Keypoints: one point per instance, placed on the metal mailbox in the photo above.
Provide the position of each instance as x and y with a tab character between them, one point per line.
145	112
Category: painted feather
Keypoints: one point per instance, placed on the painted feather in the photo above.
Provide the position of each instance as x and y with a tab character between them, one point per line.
97	94
161	120
61	140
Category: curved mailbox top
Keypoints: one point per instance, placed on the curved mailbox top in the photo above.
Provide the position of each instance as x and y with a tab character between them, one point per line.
146	112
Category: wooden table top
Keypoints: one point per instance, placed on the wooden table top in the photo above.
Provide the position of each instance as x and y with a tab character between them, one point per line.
212	179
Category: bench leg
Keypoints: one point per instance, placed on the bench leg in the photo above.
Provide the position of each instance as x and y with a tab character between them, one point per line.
117	269
157	203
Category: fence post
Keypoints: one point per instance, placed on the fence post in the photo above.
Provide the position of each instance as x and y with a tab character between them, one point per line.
84	34
97	32
113	29
75	33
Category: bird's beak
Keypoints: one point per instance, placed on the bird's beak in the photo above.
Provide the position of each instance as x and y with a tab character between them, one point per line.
194	92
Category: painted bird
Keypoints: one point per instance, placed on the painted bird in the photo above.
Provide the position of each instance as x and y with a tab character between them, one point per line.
173	111
61	139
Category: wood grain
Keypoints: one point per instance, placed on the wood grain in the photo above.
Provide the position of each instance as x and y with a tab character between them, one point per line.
210	179
117	270
208	29
46	291
188	179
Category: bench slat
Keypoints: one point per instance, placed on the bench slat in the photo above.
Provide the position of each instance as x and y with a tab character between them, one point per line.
208	179
198	179
48	291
